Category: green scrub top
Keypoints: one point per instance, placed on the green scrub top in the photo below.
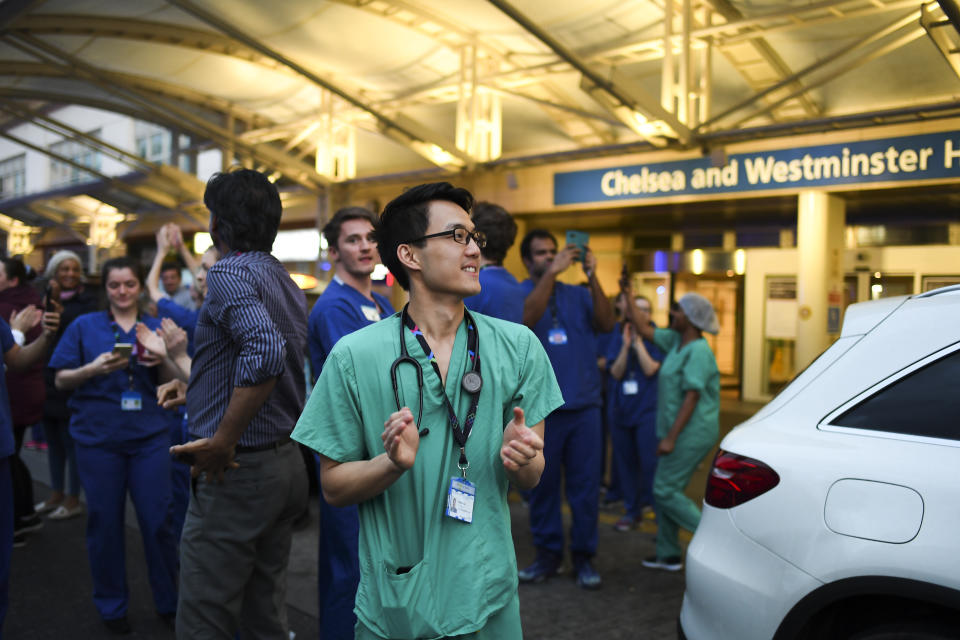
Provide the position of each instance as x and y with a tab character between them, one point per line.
459	574
691	367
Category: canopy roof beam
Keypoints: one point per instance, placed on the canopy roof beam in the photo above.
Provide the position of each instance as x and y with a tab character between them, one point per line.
389	125
175	116
596	85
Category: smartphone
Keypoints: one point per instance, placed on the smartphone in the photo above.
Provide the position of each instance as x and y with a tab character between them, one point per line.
580	239
48	300
123	349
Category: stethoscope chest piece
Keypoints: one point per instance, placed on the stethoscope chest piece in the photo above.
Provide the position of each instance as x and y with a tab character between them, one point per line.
471	382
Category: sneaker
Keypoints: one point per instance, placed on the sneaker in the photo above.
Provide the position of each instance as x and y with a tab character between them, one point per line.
545	566
118	626
587	576
31	444
626	523
43	507
27	524
673	563
19	540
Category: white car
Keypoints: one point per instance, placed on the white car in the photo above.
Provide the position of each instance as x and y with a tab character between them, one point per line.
834	512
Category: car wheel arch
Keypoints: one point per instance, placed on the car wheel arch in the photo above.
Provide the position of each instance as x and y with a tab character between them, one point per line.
819	609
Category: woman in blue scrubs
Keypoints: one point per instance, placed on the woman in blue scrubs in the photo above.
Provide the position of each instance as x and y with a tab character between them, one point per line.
121	438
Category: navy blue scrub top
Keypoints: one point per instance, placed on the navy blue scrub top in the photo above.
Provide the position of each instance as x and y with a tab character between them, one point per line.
6	421
574	363
501	296
340	310
96	417
632	410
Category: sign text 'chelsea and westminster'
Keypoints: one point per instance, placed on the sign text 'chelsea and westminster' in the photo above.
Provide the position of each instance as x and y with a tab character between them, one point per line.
921	157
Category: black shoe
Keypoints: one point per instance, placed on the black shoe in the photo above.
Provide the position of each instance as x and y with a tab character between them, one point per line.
19	540
118	626
545	566
27	524
169	620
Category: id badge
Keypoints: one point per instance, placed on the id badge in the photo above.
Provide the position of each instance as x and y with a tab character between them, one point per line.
460	497
131	401
630	387
557	335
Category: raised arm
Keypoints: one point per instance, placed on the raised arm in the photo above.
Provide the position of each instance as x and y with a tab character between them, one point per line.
603	316
619	366
536	302
176	237
153	276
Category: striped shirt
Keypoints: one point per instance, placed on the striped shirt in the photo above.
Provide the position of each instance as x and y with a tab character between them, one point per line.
252	327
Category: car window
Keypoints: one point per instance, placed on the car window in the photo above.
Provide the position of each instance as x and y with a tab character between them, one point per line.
924	403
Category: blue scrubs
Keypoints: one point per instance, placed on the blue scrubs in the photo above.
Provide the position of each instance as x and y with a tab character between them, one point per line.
120	451
340	310
633	430
6	484
573	433
186	319
500	295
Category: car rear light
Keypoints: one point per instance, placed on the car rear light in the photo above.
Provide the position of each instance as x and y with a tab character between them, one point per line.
736	479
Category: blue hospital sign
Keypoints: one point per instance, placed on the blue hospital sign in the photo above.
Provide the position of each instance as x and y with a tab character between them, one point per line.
930	156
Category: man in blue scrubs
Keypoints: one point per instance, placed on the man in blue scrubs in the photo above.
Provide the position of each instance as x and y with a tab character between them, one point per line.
500	294
567	319
347	304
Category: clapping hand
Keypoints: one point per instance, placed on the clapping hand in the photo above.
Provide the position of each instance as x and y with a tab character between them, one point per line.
401	440
151	341
520	444
174	338
25	319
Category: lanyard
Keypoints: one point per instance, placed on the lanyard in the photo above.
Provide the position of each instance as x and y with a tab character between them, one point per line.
459	435
116	339
554	313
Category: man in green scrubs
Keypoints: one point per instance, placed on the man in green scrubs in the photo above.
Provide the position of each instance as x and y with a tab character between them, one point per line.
688	419
436	552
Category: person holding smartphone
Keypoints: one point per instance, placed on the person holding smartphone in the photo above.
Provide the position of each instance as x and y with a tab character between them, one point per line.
121	439
567	320
65	287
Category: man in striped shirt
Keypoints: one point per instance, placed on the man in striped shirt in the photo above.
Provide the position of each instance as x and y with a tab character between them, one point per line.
246	392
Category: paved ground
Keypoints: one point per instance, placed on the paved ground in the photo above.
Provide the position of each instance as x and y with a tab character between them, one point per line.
51	591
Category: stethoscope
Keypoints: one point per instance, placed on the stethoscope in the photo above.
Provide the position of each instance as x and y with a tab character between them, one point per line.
471	381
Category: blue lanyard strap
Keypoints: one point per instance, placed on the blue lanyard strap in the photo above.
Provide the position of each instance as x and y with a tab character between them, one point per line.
116	338
460	435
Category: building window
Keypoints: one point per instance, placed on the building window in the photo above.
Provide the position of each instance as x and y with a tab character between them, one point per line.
13	177
152	142
62	174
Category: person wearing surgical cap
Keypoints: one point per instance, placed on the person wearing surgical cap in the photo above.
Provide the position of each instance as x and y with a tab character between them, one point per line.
688	419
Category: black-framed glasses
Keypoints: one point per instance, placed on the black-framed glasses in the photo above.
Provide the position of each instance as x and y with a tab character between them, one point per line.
459	235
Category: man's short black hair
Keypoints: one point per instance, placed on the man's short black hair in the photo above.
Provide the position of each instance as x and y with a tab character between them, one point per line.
331	230
405	218
499	227
246	207
116	264
532	235
169	265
